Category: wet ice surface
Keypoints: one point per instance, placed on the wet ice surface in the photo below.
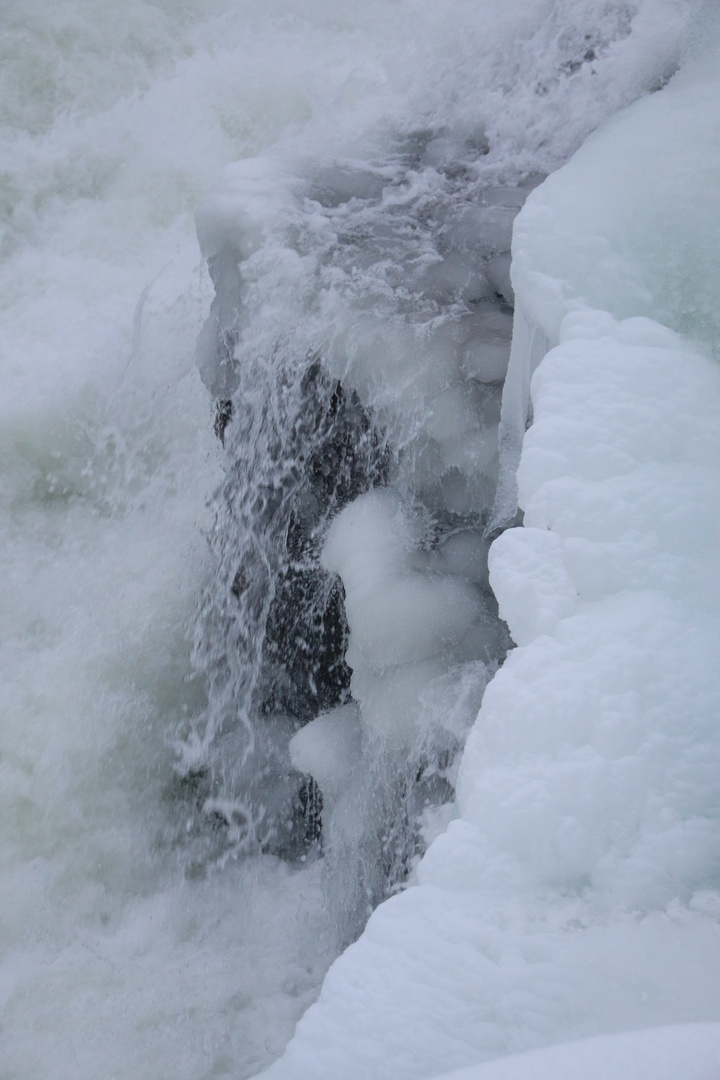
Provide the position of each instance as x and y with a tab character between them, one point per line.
133	947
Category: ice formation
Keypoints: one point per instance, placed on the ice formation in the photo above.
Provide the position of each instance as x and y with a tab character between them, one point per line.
577	891
386	266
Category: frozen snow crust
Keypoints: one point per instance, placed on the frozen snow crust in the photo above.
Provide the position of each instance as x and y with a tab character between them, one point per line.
686	1052
578	892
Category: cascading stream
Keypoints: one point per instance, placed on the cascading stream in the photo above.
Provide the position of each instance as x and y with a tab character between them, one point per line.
356	349
413	252
175	671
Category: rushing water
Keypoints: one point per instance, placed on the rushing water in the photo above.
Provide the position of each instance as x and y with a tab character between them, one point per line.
356	313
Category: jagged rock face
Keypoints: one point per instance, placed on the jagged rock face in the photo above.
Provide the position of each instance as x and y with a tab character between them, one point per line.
306	633
299	448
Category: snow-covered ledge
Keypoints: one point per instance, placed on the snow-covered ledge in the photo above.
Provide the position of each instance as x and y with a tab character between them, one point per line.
578	891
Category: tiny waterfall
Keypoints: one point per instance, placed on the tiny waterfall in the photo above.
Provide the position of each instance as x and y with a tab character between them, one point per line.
238	671
352	275
271	633
356	348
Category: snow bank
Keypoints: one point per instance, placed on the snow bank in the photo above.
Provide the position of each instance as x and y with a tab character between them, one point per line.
630	226
687	1052
579	890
